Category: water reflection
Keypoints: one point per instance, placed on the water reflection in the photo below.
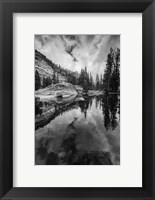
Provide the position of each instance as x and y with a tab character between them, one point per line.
69	131
110	107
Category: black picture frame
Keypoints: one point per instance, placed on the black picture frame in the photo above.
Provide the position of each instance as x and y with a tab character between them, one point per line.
7	8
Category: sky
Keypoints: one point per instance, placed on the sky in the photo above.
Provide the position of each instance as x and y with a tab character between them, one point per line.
74	52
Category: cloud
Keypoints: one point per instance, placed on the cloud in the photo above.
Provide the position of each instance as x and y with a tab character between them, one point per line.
74	52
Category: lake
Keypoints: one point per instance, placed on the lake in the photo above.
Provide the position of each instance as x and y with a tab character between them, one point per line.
73	131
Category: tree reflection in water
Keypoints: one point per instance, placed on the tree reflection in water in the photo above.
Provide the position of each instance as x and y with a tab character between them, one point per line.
110	107
68	151
84	105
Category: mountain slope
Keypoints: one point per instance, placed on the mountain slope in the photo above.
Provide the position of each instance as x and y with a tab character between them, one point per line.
46	68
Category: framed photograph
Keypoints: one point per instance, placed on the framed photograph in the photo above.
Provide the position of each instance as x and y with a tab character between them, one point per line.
78	103
77	99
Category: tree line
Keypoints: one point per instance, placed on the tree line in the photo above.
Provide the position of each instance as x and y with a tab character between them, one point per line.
45	81
108	81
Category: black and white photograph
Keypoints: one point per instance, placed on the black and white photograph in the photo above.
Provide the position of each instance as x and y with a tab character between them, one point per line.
77	99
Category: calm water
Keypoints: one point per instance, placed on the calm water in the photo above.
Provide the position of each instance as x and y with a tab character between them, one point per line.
74	132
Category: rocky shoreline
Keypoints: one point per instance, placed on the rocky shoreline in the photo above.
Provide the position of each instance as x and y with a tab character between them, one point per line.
48	105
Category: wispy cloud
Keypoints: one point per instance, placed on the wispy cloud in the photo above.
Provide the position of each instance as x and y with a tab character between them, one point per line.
74	52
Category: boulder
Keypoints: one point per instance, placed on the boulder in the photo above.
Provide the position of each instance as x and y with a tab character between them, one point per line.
58	90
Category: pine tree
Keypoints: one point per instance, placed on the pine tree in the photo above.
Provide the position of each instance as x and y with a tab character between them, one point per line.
115	76
48	81
81	78
111	79
54	78
101	82
97	82
57	78
37	81
44	84
86	80
90	82
117	59
108	70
